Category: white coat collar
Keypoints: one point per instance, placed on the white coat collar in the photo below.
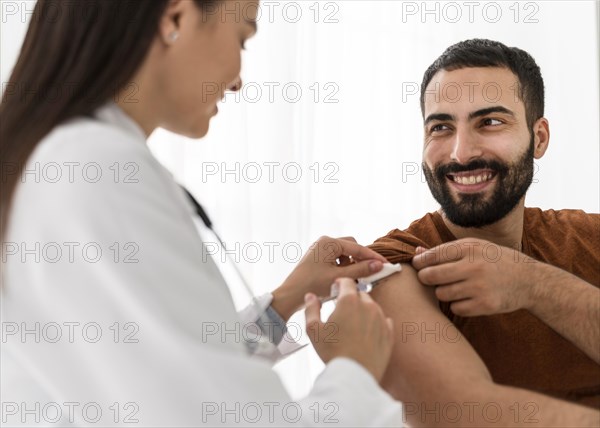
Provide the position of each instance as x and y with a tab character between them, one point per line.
113	114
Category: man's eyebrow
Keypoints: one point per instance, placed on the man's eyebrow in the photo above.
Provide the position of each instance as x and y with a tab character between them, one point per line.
438	116
486	111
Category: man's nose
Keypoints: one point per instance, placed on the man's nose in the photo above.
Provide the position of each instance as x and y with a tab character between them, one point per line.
236	85
466	147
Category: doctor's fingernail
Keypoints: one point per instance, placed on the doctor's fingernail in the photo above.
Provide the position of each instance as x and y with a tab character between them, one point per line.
375	266
309	298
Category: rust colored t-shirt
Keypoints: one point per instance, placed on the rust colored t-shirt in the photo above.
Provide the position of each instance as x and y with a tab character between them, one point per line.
519	349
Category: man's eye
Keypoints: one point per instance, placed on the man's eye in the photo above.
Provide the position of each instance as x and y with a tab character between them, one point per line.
437	128
492	122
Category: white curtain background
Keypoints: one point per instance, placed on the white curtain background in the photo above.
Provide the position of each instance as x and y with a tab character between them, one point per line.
326	136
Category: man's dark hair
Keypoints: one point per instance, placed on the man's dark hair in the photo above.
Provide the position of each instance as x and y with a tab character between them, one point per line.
489	53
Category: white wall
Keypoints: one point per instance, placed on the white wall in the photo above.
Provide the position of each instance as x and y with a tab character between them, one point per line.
371	138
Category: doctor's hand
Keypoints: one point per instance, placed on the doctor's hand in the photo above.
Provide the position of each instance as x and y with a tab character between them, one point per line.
326	260
356	329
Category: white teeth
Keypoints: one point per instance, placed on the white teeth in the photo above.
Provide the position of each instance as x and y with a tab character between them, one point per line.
473	179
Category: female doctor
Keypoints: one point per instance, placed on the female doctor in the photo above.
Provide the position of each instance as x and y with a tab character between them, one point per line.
111	316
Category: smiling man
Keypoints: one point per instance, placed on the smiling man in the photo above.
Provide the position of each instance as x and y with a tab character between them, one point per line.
520	284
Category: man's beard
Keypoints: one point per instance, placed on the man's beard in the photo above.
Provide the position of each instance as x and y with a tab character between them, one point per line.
472	210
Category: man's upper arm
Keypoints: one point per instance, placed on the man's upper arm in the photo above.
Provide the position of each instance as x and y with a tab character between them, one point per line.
430	356
441	380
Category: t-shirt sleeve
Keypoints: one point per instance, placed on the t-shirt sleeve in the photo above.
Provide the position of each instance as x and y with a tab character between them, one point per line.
398	246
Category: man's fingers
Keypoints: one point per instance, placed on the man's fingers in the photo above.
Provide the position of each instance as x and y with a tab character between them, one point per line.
348	238
448	252
446	273
465	308
451	293
420	250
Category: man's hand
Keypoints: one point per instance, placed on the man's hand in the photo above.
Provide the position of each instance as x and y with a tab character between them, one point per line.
356	329
326	260
477	276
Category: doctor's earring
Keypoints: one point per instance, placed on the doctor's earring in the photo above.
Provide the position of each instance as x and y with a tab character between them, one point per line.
173	36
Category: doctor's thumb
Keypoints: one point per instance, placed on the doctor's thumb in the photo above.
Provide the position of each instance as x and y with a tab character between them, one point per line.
312	314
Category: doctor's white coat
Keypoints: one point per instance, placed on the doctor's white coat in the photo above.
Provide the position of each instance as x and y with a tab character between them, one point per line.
107	301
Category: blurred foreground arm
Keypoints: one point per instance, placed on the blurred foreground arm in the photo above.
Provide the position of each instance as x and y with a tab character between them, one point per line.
440	378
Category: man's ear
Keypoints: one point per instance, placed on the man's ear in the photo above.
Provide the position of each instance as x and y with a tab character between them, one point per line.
541	137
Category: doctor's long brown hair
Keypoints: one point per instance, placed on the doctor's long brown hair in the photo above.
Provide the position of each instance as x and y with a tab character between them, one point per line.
76	56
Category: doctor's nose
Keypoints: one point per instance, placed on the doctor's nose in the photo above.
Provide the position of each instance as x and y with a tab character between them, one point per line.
236	85
465	147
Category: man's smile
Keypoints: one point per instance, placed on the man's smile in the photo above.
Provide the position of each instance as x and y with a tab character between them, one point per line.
471	181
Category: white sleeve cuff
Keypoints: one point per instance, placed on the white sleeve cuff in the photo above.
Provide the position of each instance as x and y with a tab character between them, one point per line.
277	343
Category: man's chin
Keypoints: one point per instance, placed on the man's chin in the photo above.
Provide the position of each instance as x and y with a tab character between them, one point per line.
469	210
477	215
454	198
464	220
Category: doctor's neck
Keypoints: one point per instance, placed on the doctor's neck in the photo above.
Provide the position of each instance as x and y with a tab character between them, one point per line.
139	106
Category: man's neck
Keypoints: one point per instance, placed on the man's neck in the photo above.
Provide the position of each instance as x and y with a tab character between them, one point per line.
507	231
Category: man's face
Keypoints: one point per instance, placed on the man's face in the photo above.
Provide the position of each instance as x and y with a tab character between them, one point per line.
478	152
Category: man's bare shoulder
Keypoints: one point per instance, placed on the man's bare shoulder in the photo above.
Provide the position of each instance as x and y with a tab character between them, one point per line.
404	291
426	341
